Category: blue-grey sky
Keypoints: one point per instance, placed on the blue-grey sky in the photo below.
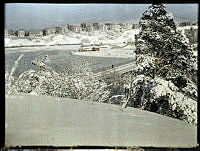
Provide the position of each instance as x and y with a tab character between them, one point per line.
40	16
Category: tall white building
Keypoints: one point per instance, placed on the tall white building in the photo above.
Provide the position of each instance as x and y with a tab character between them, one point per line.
129	26
102	27
5	32
89	28
49	31
115	27
77	29
62	30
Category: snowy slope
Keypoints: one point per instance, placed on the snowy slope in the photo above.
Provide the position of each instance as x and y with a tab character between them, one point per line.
41	120
73	38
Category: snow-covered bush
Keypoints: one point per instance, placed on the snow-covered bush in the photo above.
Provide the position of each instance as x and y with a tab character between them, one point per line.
179	105
27	81
76	82
10	80
165	76
116	83
163	97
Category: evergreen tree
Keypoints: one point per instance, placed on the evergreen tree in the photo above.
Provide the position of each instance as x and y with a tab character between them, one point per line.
165	75
171	51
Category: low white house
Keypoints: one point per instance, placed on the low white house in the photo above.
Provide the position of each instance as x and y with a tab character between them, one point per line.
129	26
62	30
83	26
74	28
89	28
31	34
49	31
108	26
96	26
77	29
102	27
38	33
20	33
115	27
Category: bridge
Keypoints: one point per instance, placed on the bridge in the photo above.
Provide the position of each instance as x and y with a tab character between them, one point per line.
117	70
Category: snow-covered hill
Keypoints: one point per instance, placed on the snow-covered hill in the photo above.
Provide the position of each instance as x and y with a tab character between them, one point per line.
109	37
74	38
43	120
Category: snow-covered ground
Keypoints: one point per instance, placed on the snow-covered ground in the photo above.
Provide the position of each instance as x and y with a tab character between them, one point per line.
97	37
74	38
106	52
108	40
113	41
126	52
44	120
41	48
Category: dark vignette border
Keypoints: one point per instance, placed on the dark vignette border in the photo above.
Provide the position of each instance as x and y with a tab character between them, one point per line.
2	63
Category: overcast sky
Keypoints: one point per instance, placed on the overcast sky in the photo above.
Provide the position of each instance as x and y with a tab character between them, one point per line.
40	16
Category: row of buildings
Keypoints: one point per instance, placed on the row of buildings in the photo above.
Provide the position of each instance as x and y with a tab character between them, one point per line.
187	23
22	33
190	29
74	28
84	27
89	28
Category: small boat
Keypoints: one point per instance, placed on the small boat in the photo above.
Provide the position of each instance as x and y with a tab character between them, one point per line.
85	49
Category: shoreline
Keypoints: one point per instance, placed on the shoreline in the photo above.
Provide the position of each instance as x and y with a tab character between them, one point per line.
39	45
